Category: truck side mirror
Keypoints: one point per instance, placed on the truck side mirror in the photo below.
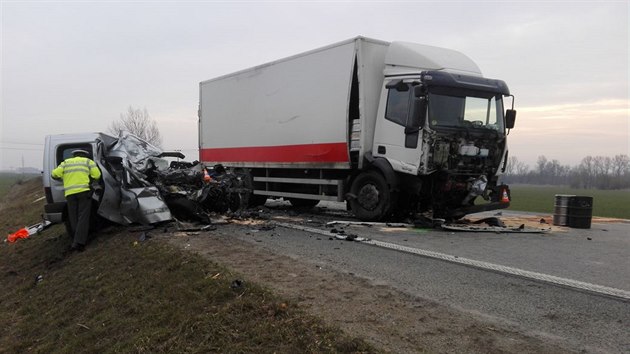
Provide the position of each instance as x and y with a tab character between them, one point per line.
419	91
510	118
420	111
399	85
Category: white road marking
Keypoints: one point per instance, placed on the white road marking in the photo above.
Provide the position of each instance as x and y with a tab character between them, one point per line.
576	284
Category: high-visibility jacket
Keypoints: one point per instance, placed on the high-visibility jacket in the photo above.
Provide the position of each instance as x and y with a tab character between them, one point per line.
76	172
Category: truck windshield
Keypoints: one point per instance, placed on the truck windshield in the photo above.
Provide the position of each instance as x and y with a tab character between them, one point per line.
466	111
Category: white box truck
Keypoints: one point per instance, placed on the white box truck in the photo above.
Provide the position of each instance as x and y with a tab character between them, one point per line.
388	127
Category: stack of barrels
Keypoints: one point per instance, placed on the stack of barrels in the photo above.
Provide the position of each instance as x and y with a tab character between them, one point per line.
573	211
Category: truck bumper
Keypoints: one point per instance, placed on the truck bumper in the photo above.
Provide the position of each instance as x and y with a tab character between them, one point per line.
54	212
500	199
460	212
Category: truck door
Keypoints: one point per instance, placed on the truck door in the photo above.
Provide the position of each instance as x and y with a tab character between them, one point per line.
398	128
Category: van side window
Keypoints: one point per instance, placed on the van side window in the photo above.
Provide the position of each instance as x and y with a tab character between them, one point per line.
397	106
65	151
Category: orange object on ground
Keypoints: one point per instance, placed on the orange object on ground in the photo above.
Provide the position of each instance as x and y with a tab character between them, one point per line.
504	196
206	176
21	233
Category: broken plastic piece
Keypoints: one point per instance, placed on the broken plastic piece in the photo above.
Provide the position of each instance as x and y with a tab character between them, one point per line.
491	221
365	223
21	233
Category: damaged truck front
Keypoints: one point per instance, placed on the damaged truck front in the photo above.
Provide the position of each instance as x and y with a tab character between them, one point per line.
391	128
139	184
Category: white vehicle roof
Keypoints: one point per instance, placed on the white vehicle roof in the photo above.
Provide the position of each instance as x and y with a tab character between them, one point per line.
407	58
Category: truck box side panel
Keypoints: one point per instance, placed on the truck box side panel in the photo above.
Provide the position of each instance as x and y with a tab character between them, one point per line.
371	63
291	112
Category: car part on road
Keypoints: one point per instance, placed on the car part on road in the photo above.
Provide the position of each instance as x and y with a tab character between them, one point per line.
496	229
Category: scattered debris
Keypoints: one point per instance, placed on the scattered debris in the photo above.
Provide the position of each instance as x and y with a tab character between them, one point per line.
237	285
491	221
351	237
365	223
494	224
425	222
38	199
266	227
28	231
208	228
496	229
193	226
144	236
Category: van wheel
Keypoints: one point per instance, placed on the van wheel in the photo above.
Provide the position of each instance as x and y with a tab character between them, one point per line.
373	198
303	203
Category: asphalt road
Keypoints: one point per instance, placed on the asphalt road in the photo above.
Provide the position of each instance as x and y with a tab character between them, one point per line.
579	320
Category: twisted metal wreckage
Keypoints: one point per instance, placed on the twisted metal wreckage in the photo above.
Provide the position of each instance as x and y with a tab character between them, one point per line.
140	185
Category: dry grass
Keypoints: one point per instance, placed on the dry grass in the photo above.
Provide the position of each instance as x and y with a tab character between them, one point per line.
123	295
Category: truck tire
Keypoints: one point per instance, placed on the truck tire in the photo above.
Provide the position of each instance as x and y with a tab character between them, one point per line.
372	198
303	203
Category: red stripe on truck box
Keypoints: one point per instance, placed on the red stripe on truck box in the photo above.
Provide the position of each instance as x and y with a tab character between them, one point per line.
327	152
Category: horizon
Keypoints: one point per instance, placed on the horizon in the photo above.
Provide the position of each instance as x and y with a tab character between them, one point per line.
69	67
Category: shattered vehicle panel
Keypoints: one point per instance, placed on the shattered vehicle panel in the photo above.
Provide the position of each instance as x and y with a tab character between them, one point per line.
140	186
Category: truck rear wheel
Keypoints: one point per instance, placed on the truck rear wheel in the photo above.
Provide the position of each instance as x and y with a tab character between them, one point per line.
372	198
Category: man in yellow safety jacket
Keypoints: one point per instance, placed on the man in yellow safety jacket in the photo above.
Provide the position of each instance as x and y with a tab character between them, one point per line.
77	172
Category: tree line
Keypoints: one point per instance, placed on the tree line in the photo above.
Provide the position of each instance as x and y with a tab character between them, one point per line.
599	172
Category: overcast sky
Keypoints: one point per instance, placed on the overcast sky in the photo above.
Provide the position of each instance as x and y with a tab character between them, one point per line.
75	66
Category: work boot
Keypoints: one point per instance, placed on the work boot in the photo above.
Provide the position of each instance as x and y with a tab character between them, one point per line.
77	248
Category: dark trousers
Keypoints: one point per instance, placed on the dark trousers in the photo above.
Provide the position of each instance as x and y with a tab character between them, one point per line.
79	209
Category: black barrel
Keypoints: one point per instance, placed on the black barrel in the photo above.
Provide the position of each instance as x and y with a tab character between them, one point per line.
561	209
580	212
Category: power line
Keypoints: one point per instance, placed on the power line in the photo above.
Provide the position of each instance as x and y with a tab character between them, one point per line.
19	143
14	148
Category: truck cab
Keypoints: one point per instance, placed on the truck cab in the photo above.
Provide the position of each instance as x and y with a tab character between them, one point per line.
445	125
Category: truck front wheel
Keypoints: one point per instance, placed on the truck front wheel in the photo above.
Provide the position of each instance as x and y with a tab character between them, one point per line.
372	198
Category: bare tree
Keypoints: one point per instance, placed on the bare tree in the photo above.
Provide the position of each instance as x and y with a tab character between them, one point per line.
541	165
516	167
138	122
620	165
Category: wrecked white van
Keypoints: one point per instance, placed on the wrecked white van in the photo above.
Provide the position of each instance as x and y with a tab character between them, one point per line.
138	185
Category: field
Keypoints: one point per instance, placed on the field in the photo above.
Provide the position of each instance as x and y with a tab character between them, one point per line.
606	203
7	179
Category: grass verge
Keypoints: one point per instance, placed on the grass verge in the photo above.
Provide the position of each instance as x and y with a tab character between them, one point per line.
121	295
606	203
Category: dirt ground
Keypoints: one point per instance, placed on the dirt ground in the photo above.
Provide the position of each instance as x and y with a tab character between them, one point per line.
385	317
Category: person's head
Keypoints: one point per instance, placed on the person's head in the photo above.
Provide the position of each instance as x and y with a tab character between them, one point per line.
80	152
